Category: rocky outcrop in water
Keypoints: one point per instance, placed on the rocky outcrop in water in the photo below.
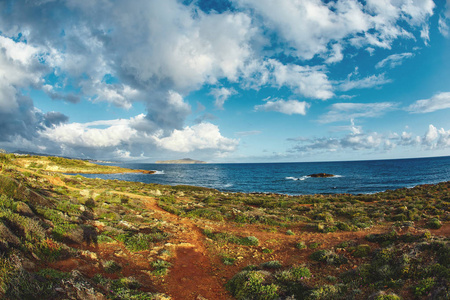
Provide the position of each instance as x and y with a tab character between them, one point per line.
321	175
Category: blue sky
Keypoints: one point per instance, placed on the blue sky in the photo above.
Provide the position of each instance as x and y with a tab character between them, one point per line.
226	80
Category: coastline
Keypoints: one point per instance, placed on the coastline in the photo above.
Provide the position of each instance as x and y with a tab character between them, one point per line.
120	236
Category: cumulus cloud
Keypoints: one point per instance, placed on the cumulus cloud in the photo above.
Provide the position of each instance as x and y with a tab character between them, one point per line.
347	111
358	140
204	136
394	60
87	135
288	107
158	52
124	138
309	27
221	95
437	102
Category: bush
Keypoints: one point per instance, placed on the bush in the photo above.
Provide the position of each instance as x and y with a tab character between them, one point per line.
252	285
300	272
160	267
434	223
250	241
111	266
424	286
361	251
383	296
274	264
301	245
326	292
329	257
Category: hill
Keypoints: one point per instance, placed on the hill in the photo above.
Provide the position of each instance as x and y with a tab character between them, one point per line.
180	161
70	237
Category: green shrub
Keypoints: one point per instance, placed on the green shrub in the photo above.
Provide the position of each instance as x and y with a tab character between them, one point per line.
160	267
424	286
252	285
228	260
314	245
289	232
434	223
329	257
300	272
326	292
274	264
110	266
383	296
361	251
301	245
249	241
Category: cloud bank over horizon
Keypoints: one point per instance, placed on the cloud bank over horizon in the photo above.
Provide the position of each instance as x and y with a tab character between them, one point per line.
119	79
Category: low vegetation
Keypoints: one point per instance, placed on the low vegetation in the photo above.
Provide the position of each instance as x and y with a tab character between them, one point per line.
65	236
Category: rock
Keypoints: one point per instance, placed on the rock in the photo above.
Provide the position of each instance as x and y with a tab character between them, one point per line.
321	175
126	225
89	254
24	209
7	236
28	264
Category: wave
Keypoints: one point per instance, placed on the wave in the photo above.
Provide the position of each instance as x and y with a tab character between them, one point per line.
295	178
159	172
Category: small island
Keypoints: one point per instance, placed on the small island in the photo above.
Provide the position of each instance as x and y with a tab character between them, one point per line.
181	161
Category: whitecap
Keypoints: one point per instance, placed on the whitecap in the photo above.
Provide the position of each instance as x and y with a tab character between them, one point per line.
159	172
295	178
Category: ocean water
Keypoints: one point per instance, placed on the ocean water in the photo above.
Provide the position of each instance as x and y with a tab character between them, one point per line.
292	178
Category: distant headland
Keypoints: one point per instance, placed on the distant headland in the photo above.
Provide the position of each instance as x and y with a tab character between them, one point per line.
181	161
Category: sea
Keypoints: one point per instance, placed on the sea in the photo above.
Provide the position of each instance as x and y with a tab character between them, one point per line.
353	177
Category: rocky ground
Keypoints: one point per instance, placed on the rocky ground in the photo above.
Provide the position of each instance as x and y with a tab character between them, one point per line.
76	238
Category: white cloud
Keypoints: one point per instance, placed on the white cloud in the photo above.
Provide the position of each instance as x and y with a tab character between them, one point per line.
364	83
336	54
221	95
203	136
308	81
443	26
247	133
437	102
444	138
394	60
288	107
432	139
19	68
311	26
349	111
128	139
425	33
431	135
116	133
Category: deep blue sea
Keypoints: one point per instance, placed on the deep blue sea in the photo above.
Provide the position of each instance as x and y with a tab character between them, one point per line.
353	177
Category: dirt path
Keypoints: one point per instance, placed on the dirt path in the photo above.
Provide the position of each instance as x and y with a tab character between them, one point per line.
192	275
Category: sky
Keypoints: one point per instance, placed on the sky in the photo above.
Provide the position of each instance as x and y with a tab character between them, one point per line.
226	80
